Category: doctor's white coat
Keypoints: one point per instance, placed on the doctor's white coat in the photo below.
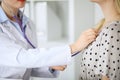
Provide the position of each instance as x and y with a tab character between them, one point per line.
19	61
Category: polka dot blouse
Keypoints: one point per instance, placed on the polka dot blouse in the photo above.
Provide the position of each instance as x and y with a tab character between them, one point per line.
102	57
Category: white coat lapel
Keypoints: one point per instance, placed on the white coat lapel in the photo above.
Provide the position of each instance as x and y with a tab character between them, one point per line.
14	34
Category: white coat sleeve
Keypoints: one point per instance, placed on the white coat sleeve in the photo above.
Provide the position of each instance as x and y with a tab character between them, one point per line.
12	54
44	72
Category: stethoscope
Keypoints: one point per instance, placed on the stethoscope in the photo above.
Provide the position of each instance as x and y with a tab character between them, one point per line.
24	28
19	21
76	53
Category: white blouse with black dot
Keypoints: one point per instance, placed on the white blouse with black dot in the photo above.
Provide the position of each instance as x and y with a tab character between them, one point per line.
102	57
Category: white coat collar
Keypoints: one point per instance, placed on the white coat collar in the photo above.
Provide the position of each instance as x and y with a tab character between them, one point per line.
4	18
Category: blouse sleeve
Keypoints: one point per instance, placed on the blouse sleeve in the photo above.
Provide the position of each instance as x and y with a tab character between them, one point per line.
109	55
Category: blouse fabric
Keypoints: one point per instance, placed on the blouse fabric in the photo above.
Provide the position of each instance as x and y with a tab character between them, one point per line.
102	57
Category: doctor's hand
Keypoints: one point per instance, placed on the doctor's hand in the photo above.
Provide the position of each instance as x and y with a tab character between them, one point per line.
105	78
59	68
84	40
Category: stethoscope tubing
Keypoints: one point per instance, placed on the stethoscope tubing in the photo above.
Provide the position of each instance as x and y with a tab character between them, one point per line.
27	38
23	29
75	53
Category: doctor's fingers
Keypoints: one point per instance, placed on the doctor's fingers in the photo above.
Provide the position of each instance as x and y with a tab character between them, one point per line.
89	33
91	38
90	30
60	68
105	78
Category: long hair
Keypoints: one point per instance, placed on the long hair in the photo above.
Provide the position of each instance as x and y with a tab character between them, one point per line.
101	22
117	5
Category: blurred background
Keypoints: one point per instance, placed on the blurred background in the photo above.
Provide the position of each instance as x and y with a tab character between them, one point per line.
60	22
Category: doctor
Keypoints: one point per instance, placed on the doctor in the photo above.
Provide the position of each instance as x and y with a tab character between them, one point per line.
20	58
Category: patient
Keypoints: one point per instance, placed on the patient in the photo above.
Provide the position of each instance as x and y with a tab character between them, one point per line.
101	59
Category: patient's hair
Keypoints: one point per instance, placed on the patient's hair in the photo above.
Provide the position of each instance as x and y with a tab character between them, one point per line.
117	5
101	22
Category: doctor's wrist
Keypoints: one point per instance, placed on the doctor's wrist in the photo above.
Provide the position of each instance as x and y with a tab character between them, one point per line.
51	70
75	48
